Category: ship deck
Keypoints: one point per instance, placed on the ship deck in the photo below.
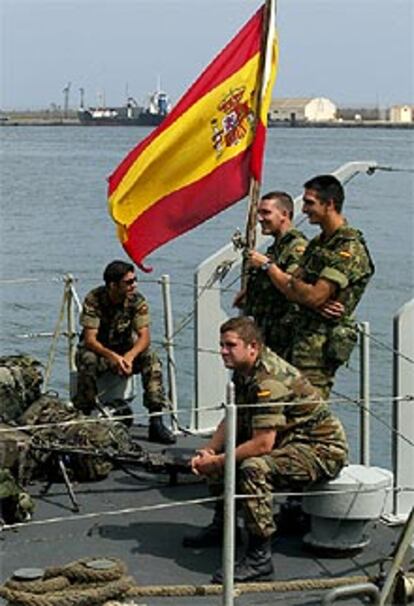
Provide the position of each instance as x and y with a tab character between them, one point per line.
148	538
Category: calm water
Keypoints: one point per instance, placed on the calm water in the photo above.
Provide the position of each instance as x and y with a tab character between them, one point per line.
55	220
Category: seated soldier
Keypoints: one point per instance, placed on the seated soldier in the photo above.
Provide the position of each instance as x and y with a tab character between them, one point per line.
116	336
286	438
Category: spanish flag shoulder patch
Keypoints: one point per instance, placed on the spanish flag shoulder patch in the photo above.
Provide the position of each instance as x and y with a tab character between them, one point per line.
264	393
345	254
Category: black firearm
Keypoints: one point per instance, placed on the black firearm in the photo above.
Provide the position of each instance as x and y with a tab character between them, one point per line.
170	461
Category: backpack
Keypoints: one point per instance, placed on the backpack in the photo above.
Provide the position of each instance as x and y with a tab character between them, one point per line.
85	432
21	380
16	505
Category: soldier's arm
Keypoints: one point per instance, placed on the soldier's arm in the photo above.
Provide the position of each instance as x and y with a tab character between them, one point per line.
142	331
143	341
261	443
295	289
298	291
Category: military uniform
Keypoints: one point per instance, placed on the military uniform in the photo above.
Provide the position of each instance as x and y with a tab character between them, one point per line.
264	301
310	442
117	327
320	345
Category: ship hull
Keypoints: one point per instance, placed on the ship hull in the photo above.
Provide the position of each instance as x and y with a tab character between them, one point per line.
87	118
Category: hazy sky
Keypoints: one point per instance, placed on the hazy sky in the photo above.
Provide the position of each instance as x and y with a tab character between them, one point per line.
352	51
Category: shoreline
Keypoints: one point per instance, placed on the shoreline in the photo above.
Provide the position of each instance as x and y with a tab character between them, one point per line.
281	124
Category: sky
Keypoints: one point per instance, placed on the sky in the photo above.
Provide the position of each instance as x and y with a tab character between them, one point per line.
355	52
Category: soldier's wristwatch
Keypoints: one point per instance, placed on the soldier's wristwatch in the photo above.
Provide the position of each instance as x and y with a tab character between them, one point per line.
265	266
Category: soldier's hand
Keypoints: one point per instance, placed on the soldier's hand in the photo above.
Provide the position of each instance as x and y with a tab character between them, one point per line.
239	299
332	309
200	454
206	463
256	259
120	364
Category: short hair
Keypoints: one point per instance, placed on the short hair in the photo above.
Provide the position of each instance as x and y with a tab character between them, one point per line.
283	200
245	327
116	270
328	188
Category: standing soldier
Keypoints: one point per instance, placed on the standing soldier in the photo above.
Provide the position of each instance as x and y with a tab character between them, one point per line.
262	299
332	276
286	438
116	336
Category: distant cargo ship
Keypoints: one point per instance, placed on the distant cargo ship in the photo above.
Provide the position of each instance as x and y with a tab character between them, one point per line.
130	114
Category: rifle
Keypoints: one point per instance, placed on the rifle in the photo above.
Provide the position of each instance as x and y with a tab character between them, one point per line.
171	461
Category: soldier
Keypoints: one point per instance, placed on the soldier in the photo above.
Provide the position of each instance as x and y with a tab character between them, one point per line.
116	336
278	445
262	299
332	276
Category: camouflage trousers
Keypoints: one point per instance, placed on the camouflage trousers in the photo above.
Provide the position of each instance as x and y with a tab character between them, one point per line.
293	467
90	366
307	352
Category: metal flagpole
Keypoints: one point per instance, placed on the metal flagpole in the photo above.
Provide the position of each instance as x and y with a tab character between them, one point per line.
254	193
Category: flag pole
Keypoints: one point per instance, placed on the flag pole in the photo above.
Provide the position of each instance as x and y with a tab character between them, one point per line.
254	190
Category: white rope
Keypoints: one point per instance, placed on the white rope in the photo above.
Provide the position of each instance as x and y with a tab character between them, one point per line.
189	502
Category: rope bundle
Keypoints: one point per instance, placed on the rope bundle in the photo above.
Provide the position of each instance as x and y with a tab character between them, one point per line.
81	584
76	584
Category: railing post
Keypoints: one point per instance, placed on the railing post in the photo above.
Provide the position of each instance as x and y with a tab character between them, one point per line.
71	322
169	346
364	392
229	505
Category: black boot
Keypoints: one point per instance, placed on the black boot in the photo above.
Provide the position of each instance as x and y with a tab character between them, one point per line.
158	432
211	535
255	565
291	519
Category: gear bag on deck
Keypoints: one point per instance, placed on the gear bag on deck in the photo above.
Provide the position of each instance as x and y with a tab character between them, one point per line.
16	505
82	432
21	380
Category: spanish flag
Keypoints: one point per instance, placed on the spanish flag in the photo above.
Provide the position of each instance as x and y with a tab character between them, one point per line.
203	156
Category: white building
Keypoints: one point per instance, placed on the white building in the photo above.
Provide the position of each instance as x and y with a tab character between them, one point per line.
401	113
300	109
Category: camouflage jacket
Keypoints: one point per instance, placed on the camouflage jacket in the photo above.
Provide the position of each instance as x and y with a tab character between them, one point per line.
284	400
263	300
116	324
343	259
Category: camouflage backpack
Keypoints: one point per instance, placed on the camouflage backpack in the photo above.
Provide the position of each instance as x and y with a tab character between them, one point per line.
84	432
21	380
16	505
14	451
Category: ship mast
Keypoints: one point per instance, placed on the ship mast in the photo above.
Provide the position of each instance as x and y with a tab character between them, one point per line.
254	191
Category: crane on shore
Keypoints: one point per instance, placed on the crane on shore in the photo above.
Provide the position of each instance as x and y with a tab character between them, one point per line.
66	92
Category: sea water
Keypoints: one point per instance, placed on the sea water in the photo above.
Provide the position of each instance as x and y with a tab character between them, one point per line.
54	220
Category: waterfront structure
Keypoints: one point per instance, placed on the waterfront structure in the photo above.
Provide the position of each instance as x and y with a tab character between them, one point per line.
302	109
402	113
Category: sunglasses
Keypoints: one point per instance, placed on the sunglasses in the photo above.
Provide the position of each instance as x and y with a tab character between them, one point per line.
129	282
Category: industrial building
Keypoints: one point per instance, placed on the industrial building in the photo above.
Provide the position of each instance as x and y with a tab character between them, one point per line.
302	109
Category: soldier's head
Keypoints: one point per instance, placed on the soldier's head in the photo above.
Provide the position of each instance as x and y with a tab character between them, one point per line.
275	212
120	280
322	195
240	343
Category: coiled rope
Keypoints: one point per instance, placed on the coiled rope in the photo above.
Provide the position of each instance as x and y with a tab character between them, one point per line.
84	583
76	584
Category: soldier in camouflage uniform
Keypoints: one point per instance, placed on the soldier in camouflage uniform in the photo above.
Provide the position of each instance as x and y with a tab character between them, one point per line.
331	278
286	438
261	299
116	336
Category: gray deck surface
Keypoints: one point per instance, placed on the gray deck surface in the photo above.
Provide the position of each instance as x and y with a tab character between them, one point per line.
149	542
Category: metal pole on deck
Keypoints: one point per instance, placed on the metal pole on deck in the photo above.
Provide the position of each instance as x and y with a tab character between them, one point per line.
169	346
229	505
364	393
71	322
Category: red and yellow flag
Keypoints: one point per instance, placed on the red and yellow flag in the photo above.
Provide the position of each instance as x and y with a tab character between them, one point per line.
201	159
